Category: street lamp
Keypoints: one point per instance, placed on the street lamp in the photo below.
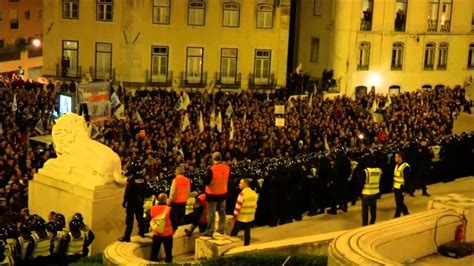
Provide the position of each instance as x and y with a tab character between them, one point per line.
36	42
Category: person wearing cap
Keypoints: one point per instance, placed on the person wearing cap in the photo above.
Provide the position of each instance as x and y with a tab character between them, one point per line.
179	194
216	194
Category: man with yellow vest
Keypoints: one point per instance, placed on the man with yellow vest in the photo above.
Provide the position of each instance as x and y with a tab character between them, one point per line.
216	194
162	229
42	240
245	209
370	191
401	183
179	194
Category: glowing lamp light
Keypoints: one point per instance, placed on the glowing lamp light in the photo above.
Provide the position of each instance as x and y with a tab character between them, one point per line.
374	80
361	136
36	42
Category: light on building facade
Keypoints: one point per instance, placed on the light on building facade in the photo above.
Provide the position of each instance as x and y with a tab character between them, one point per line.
36	42
374	80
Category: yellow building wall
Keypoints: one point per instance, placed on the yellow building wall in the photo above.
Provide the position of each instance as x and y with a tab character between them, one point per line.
132	18
346	36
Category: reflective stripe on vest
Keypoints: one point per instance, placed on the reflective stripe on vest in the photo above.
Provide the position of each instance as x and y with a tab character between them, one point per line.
7	261
436	150
10	247
249	206
23	247
76	244
371	186
190	203
182	186
398	178
157	210
220	177
42	246
57	240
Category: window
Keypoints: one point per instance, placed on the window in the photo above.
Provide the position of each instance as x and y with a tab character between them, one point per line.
71	9
442	56
39	14
472	17
2	43
364	56
264	16
262	66
314	49
400	15
231	15
397	56
470	57
104	10
429	56
103	60
367	13
159	63
194	64
27	14
70	60
317	7
1	16
14	22
439	15
161	11
228	65
196	13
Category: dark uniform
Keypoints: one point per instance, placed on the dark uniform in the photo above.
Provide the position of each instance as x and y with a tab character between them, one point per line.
133	200
423	175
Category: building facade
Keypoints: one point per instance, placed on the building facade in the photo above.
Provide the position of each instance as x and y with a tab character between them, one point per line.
391	44
20	23
169	43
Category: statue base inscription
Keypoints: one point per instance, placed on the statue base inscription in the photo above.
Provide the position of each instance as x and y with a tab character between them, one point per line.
100	206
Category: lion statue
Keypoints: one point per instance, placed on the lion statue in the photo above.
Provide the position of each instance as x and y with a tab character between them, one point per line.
80	159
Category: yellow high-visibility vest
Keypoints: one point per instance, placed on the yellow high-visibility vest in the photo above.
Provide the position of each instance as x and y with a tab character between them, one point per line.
372	181
436	150
249	206
190	203
76	244
42	246
398	178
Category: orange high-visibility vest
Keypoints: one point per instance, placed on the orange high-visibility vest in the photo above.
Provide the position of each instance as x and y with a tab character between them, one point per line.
205	210
220	177
182	186
157	210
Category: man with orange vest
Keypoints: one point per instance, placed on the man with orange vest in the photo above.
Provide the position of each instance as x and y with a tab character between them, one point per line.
216	194
179	194
163	233
200	214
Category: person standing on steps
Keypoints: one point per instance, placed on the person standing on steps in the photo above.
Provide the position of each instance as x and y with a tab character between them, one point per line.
401	183
179	194
370	190
216	194
245	209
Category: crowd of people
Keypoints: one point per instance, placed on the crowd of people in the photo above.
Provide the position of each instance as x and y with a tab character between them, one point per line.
318	133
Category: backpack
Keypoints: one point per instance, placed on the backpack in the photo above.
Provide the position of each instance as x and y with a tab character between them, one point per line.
157	224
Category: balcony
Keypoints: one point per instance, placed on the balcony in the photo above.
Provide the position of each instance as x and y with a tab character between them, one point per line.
34	51
441	67
396	67
159	80
365	25
232	82
9	54
432	25
428	67
102	74
72	72
262	83
400	25
445	26
193	81
363	67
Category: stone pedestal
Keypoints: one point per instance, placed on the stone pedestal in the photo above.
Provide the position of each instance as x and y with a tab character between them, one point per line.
207	247
100	206
463	206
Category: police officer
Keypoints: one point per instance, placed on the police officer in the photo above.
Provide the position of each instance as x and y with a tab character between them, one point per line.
179	194
12	247
5	259
370	190
401	183
42	240
216	194
244	212
26	244
72	244
59	238
423	167
133	199
87	232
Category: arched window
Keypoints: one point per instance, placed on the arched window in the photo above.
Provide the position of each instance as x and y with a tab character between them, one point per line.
231	15
196	12
397	56
429	56
364	56
264	16
443	56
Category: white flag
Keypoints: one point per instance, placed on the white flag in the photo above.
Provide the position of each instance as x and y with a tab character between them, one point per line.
299	68
139	118
219	122
39	127
179	104
114	99
229	110
14	105
201	122
231	134
185	123
245	117
375	105
120	112
310	102
326	145
289	104
212	122
185	101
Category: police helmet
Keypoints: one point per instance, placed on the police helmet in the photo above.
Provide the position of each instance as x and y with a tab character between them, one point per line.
38	224
78	216
51	227
25	228
134	168
60	219
74	225
12	231
3	233
2	247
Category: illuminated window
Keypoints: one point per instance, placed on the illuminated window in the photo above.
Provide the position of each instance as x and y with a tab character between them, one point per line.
196	13
397	56
364	56
228	65
264	16
400	15
70	9
366	15
262	66
161	11
231	15
314	49
194	64
429	56
442	56
105	10
159	63
317	7
470	57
